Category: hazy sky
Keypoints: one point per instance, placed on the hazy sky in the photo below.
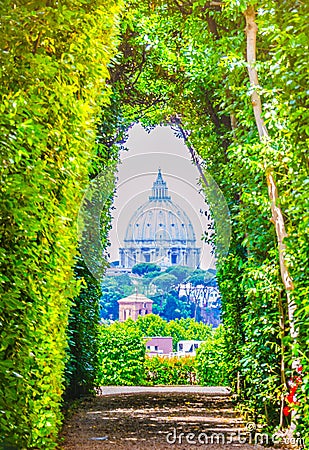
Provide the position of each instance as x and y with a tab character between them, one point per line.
137	172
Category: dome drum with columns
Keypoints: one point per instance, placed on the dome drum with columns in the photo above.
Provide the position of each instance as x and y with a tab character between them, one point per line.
160	232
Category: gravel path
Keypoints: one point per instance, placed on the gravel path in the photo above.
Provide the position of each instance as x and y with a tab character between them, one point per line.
207	390
157	418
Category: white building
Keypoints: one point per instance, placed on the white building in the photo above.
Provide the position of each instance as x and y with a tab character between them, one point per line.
160	232
188	347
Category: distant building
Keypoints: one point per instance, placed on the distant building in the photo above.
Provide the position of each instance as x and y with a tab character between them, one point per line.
160	232
156	346
133	306
188	347
206	296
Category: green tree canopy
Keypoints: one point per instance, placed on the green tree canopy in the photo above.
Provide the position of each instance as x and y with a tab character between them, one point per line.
165	282
180	272
144	268
113	288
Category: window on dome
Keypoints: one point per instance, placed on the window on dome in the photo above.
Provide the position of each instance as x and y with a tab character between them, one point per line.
148	224
137	225
160	224
182	224
173	224
174	259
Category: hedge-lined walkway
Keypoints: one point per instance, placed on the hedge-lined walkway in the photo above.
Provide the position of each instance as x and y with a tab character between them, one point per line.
143	419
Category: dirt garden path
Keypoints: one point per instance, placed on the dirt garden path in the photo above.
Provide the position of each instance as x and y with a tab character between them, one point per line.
157	418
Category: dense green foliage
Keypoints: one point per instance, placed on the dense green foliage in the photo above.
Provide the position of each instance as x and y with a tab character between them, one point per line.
164	288
175	58
53	68
81	368
122	348
208	368
82	365
121	355
170	371
142	268
178	329
211	360
112	290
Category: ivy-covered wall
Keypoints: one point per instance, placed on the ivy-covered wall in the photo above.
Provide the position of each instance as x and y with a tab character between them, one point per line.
53	68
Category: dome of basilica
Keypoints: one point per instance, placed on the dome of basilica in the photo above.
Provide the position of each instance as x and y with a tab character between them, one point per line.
160	232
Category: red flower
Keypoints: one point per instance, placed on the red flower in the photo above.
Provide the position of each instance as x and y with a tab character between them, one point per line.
293	390
286	411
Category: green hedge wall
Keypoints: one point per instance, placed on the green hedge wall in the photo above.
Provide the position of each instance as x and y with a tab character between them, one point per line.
82	364
53	62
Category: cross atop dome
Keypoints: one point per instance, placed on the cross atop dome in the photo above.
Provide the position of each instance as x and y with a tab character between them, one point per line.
159	189
159	176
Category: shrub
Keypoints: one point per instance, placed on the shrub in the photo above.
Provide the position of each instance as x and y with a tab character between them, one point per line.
121	355
210	360
171	371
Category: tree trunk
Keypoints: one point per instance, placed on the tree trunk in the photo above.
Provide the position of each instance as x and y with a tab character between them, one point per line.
282	366
195	309
277	216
